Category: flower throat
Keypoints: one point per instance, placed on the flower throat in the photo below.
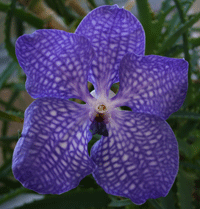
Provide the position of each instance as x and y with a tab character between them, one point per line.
98	125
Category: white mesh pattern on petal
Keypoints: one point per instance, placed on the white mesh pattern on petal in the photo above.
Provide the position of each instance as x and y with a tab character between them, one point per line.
152	84
56	63
139	159
112	32
51	157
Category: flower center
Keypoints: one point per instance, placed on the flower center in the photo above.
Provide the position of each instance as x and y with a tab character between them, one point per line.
99	120
102	108
100	115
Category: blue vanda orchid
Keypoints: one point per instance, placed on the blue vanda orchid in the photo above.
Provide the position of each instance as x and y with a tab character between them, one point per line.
137	155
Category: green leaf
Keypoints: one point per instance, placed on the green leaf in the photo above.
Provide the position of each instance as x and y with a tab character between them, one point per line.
7	73
175	21
185	115
164	12
195	148
5	169
188	6
65	12
14	113
9	117
174	51
127	202
84	198
8	139
8	44
92	3
14	86
19	27
185	187
189	165
165	6
185	148
119	203
145	12
161	18
18	86
195	42
13	194
195	29
9	183
173	38
109	2
185	130
155	203
183	18
74	24
168	201
27	17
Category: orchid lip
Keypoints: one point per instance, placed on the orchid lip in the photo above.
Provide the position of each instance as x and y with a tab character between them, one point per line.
98	125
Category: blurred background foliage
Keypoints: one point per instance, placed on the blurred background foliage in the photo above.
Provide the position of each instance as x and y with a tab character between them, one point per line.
170	31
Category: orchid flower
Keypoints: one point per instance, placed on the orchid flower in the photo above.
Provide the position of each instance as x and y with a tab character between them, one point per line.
137	156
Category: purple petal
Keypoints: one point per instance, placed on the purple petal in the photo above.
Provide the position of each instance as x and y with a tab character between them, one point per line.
51	157
152	84
139	159
56	63
112	32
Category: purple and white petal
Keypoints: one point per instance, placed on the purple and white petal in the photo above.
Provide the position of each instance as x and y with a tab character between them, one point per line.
51	157
56	63
152	84
112	32
139	159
